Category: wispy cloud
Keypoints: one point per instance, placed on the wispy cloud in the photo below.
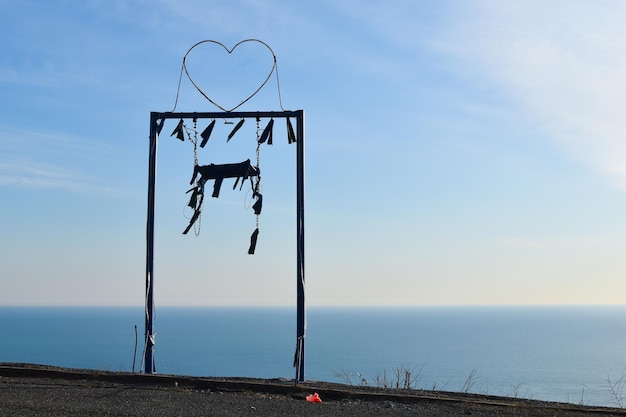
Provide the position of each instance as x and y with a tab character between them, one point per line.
31	159
562	62
37	174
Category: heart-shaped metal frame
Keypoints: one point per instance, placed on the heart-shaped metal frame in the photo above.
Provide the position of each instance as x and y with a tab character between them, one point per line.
230	51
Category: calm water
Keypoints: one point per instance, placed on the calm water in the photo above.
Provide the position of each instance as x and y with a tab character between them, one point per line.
562	354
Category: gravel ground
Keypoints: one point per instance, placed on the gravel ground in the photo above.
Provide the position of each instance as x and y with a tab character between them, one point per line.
30	391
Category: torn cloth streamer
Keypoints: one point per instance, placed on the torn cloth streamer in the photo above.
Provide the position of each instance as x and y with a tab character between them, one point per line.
253	239
239	170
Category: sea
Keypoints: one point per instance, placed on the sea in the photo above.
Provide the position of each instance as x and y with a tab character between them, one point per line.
570	354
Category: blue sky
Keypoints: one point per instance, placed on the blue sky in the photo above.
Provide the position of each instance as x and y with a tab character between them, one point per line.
456	152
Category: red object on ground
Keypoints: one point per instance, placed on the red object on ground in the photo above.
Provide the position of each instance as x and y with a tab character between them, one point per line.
314	398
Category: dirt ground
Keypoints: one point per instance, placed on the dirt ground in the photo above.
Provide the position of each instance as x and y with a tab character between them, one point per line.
30	390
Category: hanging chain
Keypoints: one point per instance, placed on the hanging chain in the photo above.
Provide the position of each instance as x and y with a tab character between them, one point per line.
196	226
258	164
195	141
258	145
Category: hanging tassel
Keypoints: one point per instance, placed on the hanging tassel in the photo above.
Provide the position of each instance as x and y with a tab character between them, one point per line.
217	186
258	205
253	239
180	134
193	200
195	216
267	133
159	126
291	137
206	134
237	126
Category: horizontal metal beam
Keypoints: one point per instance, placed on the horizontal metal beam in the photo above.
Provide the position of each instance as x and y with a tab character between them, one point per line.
228	115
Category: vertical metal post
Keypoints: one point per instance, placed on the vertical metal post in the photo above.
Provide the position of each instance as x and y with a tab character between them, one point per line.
149	334
301	311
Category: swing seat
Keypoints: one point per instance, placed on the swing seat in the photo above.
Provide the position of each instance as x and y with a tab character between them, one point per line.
218	172
215	172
